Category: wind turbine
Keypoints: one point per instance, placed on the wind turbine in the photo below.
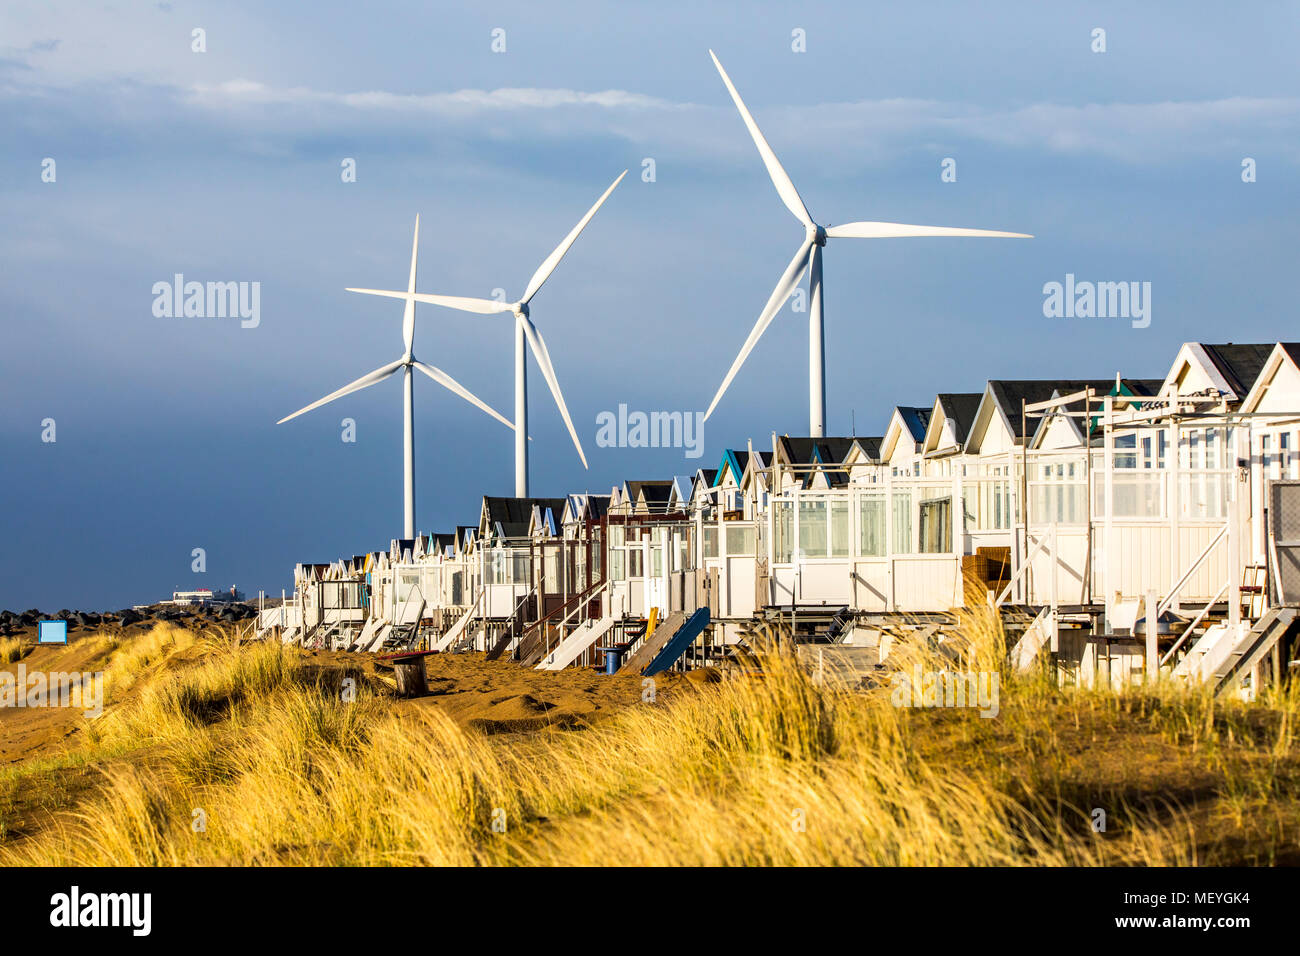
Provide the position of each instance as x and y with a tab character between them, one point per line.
524	328
809	256
407	362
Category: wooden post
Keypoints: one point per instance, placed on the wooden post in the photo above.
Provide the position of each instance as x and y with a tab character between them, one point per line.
409	672
1108	496
1152	632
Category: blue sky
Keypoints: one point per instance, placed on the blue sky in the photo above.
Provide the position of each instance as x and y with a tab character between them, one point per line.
225	165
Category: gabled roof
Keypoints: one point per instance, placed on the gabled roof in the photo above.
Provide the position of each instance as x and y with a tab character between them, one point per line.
866	447
441	543
652	492
1230	368
916	419
546	519
1283	353
585	507
733	462
960	407
956	407
512	517
908	420
1007	395
1239	364
814	453
755	464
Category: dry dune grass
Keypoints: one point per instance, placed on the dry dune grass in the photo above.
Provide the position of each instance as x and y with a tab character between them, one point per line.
13	649
282	766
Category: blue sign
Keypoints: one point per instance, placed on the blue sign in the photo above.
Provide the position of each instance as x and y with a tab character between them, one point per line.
52	632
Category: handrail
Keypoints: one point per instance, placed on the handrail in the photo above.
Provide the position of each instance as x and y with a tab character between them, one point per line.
1173	592
401	611
443	642
514	615
566	607
1196	620
1029	558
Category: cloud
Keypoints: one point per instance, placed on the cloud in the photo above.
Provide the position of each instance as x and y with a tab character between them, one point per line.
838	138
237	93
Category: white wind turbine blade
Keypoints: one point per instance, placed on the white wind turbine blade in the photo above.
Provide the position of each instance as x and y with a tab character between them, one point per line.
408	314
365	381
546	268
789	279
548	372
449	383
784	187
900	230
482	306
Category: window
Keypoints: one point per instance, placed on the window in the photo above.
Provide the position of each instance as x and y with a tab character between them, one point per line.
783	520
839	527
1125	451
740	540
1056	495
936	526
710	541
871	526
993	505
902	509
635	563
681	556
617	564
812	527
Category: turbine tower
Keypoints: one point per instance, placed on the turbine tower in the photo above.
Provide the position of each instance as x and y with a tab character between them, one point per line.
524	328
407	362
809	256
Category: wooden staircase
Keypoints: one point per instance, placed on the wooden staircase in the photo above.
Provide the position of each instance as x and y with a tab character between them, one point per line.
1250	649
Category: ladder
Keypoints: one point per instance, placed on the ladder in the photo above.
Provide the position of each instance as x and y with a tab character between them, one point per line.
1250	649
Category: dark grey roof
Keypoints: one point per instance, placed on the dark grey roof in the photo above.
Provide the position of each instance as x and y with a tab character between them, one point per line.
811	451
1239	364
1143	386
1292	349
961	408
709	475
871	445
441	542
916	419
1009	393
655	492
513	515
